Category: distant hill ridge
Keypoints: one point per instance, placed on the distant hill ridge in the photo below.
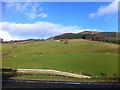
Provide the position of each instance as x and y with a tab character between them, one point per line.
90	33
112	37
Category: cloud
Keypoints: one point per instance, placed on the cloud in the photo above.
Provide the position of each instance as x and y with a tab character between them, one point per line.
36	30
30	10
6	36
112	8
43	15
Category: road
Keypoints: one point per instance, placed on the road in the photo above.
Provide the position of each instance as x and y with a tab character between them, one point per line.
54	84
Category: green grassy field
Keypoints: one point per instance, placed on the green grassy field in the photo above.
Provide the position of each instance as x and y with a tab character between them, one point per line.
91	58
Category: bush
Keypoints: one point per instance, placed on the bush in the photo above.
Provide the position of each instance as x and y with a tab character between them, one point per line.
61	40
87	74
103	75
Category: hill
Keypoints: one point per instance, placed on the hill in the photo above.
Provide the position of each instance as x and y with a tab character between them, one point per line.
111	37
92	58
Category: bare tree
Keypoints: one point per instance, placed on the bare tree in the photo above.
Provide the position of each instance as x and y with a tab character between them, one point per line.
66	41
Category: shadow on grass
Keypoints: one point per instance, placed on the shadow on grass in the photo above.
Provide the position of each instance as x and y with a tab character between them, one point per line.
7	73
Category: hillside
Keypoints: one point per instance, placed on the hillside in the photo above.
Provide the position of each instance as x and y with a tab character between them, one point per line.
111	37
91	58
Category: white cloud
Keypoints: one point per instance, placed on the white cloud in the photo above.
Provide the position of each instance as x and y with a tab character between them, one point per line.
30	10
36	30
43	15
112	8
6	36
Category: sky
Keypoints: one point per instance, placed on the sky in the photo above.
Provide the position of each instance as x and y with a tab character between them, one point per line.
37	20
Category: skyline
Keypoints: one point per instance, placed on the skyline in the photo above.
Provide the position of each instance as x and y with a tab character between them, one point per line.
24	20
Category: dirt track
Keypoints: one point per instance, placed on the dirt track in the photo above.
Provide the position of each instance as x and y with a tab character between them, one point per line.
51	72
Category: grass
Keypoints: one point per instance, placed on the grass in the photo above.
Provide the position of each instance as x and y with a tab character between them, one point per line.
78	57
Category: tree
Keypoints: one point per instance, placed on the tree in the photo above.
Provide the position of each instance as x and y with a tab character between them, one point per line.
66	41
42	40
